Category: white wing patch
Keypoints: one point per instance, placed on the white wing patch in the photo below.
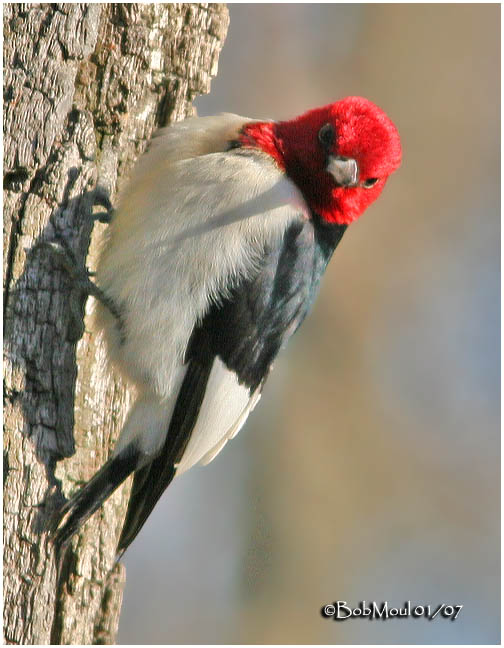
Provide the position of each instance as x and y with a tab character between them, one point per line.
224	410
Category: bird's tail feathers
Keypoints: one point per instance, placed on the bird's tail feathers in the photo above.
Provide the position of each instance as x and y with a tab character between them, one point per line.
152	479
85	502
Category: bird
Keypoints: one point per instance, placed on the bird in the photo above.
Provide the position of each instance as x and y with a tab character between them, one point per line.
210	264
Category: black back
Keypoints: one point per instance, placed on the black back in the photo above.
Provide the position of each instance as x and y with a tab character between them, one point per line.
248	328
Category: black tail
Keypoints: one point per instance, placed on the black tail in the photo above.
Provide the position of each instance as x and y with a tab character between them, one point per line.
151	481
91	496
149	484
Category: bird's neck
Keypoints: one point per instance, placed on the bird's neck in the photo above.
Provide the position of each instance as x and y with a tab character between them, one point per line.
262	135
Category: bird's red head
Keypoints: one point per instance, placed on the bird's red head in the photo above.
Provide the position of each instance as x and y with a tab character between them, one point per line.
339	156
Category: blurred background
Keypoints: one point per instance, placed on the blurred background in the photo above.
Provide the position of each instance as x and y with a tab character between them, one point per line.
371	468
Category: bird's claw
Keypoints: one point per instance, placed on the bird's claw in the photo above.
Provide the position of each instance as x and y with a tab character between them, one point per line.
104	217
101	197
81	286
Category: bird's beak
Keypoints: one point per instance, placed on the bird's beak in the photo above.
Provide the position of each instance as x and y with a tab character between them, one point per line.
344	170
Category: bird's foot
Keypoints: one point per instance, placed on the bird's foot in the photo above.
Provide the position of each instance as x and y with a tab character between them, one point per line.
101	198
81	286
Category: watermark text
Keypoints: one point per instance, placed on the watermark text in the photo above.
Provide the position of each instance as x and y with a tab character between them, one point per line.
341	611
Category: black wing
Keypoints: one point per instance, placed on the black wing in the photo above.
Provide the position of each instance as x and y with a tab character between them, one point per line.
248	328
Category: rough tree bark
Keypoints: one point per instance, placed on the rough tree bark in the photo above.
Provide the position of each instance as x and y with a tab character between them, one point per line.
84	87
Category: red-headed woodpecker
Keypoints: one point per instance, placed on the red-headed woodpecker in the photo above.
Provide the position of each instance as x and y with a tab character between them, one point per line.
211	263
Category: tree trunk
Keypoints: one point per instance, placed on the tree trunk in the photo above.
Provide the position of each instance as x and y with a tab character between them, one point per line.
84	87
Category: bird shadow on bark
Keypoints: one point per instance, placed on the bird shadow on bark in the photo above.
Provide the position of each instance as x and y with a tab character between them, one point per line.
50	371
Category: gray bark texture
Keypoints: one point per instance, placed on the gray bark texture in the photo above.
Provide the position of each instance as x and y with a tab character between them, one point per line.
85	85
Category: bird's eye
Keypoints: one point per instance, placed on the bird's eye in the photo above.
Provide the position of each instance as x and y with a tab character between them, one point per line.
370	182
327	135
